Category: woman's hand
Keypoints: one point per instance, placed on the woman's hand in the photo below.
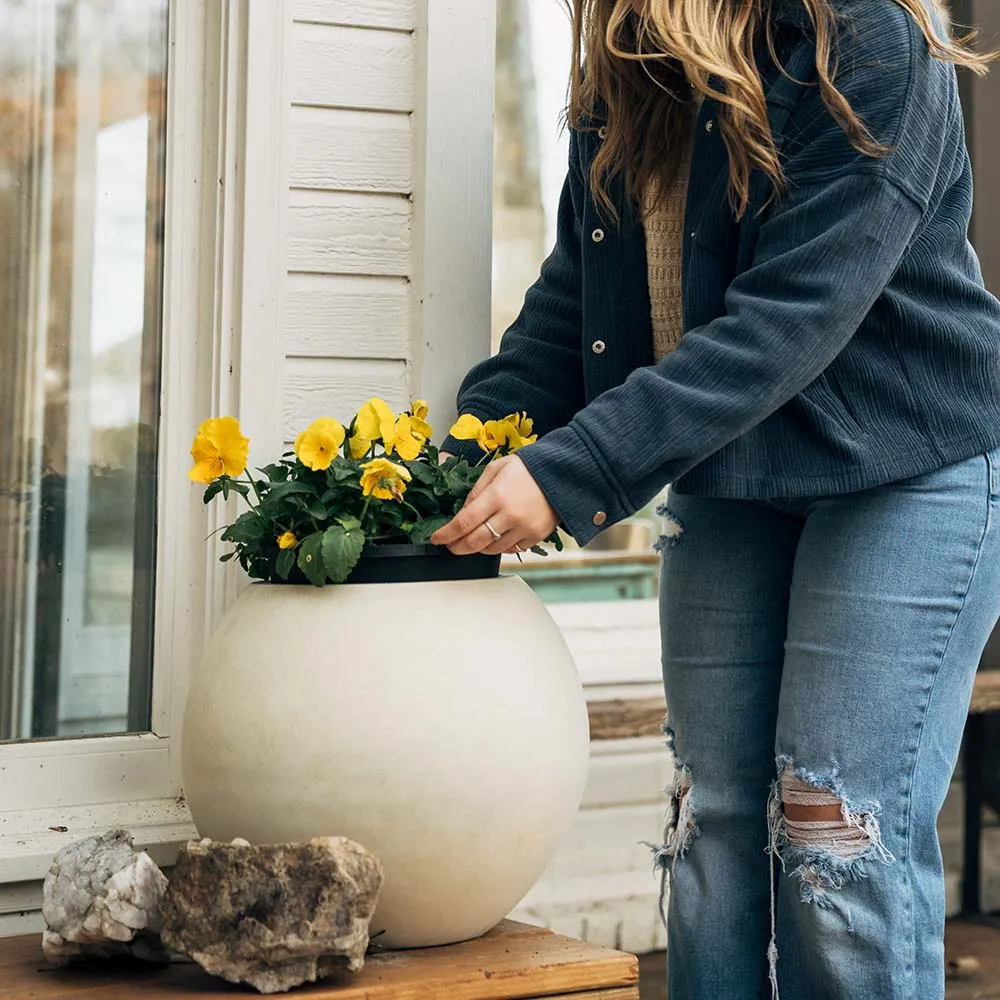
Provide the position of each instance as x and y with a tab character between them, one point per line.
506	499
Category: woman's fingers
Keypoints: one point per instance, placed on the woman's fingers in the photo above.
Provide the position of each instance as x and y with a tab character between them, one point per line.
511	543
489	474
482	540
506	509
471	517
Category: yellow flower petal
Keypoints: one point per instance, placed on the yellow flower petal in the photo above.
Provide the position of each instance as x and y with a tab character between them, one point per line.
496	434
408	443
419	409
205	472
358	446
317	446
421	427
287	541
467	428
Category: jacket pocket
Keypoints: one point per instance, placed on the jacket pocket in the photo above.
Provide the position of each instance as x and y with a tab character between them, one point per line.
823	394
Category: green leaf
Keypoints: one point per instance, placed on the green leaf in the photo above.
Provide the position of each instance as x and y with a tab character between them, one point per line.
279	491
344	469
341	551
423	473
225	483
539	551
276	472
349	523
246	529
213	491
227	556
284	563
310	559
318	511
422	531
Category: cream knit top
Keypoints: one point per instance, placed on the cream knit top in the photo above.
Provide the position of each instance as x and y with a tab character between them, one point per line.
664	225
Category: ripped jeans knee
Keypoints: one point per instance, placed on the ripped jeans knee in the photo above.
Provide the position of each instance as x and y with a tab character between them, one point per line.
817	834
820	838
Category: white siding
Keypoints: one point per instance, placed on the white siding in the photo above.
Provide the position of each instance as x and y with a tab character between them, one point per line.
349	307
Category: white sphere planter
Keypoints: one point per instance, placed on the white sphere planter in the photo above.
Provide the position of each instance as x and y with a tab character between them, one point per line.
440	724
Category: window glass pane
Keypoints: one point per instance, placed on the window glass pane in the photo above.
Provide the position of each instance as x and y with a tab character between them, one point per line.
82	95
534	49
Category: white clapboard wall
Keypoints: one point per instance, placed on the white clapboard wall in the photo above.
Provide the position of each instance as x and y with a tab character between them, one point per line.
350	256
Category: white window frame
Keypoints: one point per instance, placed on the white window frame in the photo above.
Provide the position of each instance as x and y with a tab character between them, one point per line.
223	277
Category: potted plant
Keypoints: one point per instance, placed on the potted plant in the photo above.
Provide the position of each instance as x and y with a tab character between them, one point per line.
374	686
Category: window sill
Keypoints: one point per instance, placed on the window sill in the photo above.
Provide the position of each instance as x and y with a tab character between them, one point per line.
29	839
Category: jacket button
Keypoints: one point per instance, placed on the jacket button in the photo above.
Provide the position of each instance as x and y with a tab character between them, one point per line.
598	347
599	518
602	132
597	235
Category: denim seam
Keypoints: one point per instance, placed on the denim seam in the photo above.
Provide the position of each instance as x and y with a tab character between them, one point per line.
923	719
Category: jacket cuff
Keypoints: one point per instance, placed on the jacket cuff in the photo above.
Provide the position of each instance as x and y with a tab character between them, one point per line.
572	477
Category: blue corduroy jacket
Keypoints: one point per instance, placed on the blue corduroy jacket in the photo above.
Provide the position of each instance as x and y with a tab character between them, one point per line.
838	337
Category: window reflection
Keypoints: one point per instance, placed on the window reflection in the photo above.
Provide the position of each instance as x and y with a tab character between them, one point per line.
82	93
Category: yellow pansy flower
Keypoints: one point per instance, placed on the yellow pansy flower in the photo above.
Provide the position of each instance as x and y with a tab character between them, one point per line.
490	436
317	446
287	541
409	441
521	428
219	449
418	419
383	479
376	422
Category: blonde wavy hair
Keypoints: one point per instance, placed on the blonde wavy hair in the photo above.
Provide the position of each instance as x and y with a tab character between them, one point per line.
636	51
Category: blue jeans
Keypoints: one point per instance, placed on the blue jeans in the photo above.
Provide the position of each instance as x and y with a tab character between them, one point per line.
820	653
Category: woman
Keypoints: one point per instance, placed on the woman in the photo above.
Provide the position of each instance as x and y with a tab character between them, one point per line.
812	362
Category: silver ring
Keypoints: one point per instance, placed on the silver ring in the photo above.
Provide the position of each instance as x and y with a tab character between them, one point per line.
493	531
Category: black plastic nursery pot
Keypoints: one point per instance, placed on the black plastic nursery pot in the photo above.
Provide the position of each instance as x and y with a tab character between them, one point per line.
406	563
420	563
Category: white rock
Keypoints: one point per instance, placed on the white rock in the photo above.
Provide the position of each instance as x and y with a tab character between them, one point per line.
102	898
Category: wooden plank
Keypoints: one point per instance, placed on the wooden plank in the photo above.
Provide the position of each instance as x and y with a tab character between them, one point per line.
397	14
986	692
512	962
338	389
337	150
334	67
329	316
349	233
620	719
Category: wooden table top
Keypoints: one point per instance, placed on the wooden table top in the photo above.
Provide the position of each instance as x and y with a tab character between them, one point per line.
513	962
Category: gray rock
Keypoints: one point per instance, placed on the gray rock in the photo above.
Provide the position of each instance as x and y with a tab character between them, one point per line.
274	916
101	898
